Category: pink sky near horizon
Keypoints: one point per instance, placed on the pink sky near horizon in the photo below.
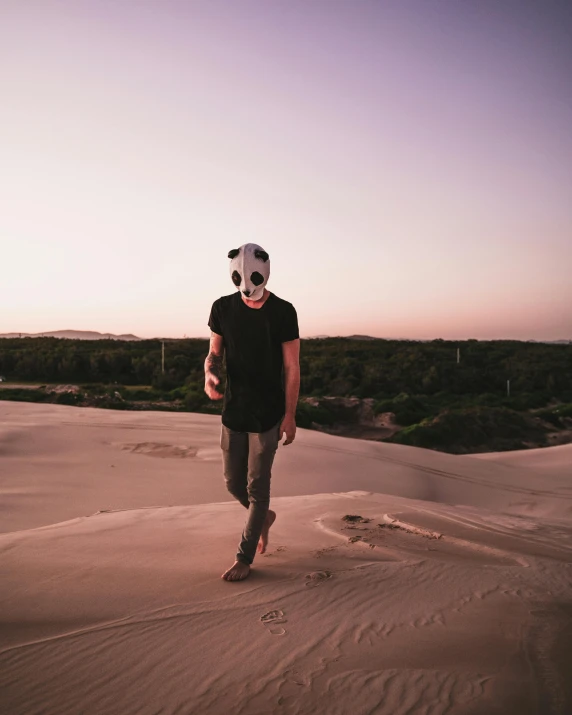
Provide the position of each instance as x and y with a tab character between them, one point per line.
407	165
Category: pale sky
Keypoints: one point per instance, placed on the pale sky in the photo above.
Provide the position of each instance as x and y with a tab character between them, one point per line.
407	164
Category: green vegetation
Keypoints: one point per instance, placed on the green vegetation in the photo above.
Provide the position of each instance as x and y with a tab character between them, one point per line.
440	403
474	429
411	409
17	394
383	369
556	415
307	414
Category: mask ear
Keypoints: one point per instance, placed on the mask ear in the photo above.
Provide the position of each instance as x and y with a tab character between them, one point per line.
261	255
234	253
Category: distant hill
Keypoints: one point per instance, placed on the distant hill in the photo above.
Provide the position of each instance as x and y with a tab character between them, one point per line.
564	341
361	337
72	335
349	337
365	337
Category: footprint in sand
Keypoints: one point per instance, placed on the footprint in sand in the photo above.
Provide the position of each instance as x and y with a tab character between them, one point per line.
326	550
316	577
294	676
272	619
159	449
276	551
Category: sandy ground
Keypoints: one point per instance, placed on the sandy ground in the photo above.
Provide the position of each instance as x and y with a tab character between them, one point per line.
451	593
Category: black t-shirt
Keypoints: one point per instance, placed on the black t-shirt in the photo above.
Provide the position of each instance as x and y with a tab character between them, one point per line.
254	398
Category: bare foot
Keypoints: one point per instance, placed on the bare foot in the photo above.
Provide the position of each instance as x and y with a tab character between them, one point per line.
237	572
263	543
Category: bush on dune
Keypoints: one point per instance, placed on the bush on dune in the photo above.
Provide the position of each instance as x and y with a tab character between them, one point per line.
557	415
67	398
473	429
307	414
141	394
408	409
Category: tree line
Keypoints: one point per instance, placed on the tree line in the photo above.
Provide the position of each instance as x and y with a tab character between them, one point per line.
329	366
379	369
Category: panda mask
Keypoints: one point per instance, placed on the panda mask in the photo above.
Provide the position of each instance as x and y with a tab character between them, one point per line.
249	270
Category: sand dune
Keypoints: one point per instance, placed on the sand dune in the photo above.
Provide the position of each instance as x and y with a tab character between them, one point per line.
446	589
555	461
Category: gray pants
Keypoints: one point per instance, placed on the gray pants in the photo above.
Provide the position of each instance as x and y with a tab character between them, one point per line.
247	461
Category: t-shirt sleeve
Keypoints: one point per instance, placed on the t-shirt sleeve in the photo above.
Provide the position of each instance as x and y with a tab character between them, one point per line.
214	320
289	329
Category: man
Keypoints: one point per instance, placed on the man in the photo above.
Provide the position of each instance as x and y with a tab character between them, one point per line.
258	333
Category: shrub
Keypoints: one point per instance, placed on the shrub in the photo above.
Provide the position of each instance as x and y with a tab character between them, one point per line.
409	409
194	400
67	398
473	429
17	394
142	395
527	400
166	382
556	414
307	414
565	410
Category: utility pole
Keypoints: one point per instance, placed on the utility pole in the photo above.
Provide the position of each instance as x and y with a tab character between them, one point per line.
508	388
458	355
163	357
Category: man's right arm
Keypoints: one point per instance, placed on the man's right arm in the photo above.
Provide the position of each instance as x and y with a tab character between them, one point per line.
213	366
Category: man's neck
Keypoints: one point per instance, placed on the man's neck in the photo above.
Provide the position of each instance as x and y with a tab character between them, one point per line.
256	303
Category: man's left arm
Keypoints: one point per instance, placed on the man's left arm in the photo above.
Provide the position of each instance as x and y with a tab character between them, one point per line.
291	358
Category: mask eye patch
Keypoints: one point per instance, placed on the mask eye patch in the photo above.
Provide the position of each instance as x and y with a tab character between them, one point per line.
257	278
236	279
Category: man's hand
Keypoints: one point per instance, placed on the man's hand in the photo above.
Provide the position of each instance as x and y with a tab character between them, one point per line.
291	357
287	426
211	382
213	367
